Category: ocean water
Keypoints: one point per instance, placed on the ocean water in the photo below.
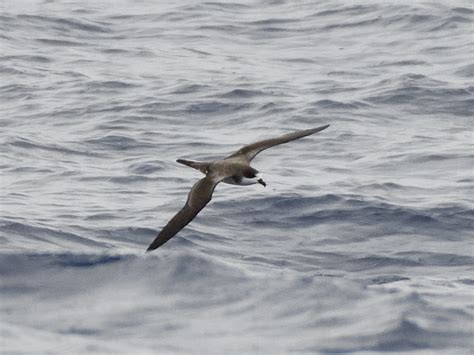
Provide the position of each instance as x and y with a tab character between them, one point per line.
362	239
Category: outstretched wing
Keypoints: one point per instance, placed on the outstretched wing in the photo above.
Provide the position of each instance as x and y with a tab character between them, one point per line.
199	196
249	152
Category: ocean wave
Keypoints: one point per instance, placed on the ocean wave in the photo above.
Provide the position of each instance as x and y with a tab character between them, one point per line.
31	145
360	241
39	236
191	89
307	211
216	107
61	42
96	86
425	95
242	94
116	141
29	58
336	105
64	24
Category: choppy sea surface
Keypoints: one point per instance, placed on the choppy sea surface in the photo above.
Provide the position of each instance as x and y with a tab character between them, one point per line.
362	239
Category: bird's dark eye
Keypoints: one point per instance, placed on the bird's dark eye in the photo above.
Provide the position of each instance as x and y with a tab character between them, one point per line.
249	174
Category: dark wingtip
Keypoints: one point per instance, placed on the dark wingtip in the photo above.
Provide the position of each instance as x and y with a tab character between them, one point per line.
149	249
318	129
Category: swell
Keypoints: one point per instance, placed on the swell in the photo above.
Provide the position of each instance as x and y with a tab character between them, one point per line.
423	95
298	211
31	236
63	24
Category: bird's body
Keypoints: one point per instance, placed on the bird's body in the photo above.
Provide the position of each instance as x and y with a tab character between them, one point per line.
234	169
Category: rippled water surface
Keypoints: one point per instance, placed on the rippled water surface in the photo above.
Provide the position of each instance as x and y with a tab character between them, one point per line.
362	239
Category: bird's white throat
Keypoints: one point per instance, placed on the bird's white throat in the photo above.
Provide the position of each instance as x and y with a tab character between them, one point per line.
249	181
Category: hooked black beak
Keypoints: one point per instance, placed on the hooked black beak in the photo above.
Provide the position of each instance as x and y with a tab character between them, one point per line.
261	182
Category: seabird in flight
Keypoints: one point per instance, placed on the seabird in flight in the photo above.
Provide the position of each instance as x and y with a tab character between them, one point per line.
234	169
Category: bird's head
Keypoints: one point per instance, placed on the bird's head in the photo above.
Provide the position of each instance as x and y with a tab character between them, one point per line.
252	176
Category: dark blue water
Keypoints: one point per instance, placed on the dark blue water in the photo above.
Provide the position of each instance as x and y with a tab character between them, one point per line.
362	239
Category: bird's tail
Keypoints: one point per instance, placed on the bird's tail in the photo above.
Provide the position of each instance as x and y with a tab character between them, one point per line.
198	165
